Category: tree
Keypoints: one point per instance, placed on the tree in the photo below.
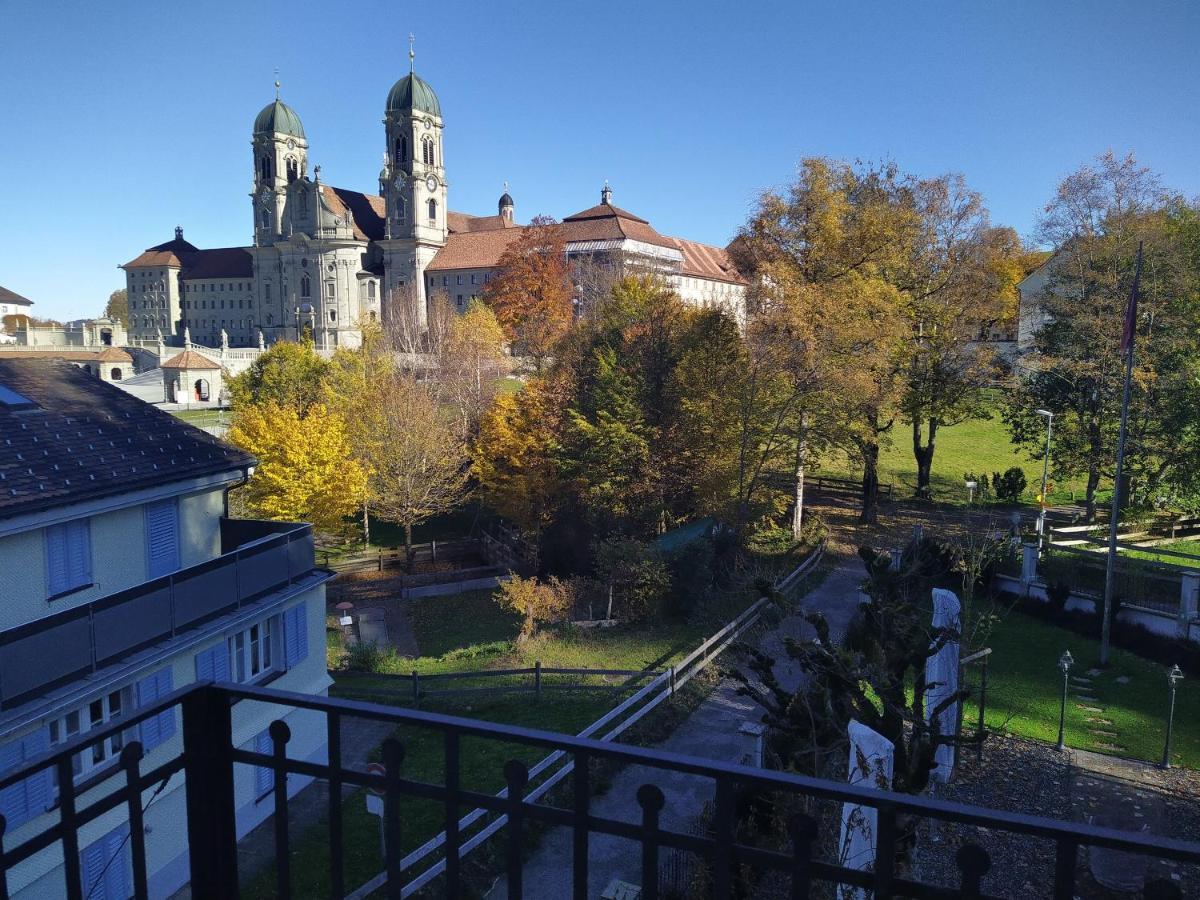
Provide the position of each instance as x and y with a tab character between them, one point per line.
471	363
287	374
417	464
531	292
1099	216
118	306
306	471
537	602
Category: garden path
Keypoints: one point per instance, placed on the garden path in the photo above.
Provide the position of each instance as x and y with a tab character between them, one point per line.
710	732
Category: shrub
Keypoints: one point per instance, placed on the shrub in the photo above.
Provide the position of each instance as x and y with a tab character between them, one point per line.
693	574
373	658
538	602
1010	485
637	575
1058	593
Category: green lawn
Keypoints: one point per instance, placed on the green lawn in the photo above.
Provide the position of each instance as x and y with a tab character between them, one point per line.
201	417
980	446
1191	547
1025	684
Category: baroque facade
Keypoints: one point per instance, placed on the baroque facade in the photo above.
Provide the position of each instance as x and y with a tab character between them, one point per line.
327	259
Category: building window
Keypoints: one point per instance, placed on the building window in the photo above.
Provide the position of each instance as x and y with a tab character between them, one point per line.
252	653
266	218
115	374
305	286
267	291
400	154
445	280
293	170
200	390
333	315
472	278
432	210
370	290
264	168
331	289
427	151
68	557
458	279
97	714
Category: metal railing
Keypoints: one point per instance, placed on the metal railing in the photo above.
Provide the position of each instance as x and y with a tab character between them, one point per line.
209	756
259	558
534	679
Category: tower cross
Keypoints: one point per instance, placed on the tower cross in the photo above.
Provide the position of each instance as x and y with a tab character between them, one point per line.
412	54
277	82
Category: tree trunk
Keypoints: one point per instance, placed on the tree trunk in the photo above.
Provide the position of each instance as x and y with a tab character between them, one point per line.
870	482
408	551
1089	502
798	488
924	457
366	526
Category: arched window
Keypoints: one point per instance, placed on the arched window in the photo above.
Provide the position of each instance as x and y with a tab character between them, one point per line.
201	390
372	315
401	208
293	169
427	151
400	152
370	290
305	286
116	373
432	210
333	315
264	168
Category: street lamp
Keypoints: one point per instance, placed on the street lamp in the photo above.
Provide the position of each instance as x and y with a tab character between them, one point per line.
1173	678
1064	663
1049	417
971	485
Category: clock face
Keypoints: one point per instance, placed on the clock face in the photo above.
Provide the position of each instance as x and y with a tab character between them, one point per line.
291	144
399	182
431	183
428	124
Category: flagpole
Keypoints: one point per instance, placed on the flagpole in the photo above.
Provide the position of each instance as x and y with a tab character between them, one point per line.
1110	571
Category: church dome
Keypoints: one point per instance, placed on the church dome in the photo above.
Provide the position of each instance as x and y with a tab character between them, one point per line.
413	93
278	118
506	199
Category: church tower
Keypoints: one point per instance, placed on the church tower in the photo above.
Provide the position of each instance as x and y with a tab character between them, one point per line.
280	158
413	184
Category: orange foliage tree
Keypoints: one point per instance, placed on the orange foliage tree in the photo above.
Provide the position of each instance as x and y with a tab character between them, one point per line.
531	293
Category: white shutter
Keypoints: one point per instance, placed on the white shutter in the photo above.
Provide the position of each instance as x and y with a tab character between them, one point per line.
162	537
79	552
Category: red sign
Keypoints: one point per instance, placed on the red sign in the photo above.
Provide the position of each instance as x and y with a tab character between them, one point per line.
376	769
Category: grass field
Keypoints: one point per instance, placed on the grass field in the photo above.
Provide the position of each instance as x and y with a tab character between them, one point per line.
1025	685
980	446
202	417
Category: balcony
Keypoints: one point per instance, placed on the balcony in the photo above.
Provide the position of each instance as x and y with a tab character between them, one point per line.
257	559
208	761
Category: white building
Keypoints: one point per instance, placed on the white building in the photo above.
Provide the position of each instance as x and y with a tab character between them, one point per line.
326	259
12	303
122	580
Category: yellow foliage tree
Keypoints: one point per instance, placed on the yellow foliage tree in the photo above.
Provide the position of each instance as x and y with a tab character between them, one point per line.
538	602
306	469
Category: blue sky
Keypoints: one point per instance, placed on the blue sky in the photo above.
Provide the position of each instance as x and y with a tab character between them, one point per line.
122	119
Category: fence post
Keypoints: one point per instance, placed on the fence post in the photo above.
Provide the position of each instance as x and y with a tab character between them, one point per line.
537	679
1029	562
380	560
672	682
1189	599
433	550
208	770
416	683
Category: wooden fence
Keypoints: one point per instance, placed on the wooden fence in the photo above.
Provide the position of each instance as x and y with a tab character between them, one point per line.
378	560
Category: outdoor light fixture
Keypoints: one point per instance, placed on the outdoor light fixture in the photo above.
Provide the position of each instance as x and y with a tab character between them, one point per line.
1064	663
1041	526
971	485
1173	678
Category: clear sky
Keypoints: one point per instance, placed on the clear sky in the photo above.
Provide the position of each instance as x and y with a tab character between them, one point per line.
121	119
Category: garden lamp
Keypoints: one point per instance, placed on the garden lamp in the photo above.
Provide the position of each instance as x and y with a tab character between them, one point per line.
1064	663
1173	678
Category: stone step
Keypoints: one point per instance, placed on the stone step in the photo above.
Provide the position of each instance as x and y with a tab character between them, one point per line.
1091	709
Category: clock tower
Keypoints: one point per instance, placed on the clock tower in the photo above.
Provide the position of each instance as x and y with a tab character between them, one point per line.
280	158
413	185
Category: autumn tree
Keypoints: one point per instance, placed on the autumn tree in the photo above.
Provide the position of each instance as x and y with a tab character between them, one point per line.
118	306
417	461
538	603
471	363
1097	219
531	291
288	374
306	468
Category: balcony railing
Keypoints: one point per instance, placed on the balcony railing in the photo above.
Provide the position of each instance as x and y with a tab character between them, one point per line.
208	759
257	558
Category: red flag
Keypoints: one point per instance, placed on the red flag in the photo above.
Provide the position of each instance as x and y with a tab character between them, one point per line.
1131	308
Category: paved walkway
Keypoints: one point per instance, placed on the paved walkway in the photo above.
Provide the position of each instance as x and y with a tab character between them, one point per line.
710	732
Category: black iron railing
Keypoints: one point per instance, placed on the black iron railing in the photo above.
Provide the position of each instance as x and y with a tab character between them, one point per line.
209	757
258	558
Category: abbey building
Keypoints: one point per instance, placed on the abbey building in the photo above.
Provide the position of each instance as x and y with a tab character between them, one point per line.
326	259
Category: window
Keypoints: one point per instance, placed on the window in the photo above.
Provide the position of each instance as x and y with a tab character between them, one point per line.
333	315
472	278
105	866
427	151
115	374
458	279
252	653
331	289
370	290
266	218
400	153
445	280
200	390
267	291
68	557
100	712
432	210
460	301
264	168
305	286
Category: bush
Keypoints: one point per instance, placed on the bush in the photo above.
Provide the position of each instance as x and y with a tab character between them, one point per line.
693	576
772	540
1059	592
373	658
538	602
1010	485
982	489
637	574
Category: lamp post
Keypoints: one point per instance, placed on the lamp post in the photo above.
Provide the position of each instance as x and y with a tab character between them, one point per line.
1173	678
1064	663
971	485
1049	417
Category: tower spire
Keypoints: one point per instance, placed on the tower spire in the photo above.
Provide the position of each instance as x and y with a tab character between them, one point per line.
277	85
412	54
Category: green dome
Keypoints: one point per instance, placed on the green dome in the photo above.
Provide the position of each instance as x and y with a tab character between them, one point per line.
413	93
278	117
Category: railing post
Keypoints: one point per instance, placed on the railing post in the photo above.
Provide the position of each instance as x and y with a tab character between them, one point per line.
885	849
537	679
393	758
803	831
517	776
651	799
416	686
451	753
4	865
1029	564
723	817
1064	868
211	812
673	678
579	842
982	709
337	878
280	735
131	757
1189	600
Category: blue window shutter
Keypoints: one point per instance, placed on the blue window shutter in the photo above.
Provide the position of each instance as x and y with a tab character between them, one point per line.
159	728
80	539
104	866
295	636
213	664
92	859
162	537
263	776
29	798
57	566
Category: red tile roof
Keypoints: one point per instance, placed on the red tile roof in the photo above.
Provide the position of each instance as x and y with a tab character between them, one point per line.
190	359
462	222
108	354
703	261
474	249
